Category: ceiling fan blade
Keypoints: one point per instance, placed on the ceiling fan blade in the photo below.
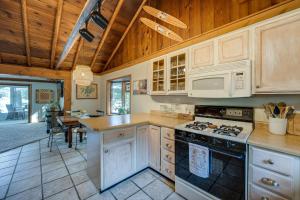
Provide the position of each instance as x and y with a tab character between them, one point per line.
161	29
164	17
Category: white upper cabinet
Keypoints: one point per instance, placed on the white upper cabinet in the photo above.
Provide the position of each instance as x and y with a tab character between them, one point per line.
277	55
201	55
177	70
158	76
233	47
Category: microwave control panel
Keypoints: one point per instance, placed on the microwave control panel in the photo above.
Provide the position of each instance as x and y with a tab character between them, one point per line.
239	79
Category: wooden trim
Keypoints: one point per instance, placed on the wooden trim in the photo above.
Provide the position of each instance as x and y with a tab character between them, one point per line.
27	80
88	7
106	32
124	34
56	31
243	22
26	34
77	53
29	87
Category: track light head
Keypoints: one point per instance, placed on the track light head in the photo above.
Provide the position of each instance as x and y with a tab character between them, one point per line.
99	19
86	34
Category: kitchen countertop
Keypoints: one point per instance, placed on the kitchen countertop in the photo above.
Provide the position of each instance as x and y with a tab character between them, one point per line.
288	143
119	121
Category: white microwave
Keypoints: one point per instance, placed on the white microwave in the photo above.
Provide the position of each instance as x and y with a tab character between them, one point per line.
228	80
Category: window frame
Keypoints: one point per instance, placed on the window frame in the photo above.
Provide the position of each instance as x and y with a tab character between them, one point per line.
109	93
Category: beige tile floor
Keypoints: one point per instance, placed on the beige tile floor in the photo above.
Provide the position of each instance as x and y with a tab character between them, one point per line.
31	172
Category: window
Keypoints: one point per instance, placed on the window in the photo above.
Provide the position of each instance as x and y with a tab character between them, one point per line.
119	96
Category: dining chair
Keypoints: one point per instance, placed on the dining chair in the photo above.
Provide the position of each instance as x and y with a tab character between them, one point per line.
53	132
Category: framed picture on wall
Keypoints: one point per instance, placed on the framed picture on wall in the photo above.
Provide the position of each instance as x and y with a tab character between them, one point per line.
44	96
87	92
140	87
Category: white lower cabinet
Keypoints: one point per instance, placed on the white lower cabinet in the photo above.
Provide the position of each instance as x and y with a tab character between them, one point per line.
273	175
154	147
119	157
142	146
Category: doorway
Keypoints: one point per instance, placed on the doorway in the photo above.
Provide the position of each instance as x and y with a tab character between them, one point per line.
15	103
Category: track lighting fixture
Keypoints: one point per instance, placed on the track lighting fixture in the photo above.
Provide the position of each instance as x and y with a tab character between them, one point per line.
98	18
86	34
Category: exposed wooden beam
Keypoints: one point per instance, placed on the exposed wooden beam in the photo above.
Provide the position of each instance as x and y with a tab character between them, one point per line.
112	20
56	30
125	33
43	72
77	52
88	7
25	27
27	80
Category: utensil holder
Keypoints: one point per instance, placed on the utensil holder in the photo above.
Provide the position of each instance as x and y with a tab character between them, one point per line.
277	126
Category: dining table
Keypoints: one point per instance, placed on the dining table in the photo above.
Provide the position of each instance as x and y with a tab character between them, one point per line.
69	122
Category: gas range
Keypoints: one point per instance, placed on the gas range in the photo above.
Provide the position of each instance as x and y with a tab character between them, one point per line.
225	129
211	153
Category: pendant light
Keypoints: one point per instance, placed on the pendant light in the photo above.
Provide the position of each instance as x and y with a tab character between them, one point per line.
82	75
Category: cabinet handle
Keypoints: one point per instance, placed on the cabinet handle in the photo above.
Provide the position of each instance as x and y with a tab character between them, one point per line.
270	162
106	151
269	182
121	135
264	198
168	145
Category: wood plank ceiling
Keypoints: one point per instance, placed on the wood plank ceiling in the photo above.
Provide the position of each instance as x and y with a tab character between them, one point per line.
34	32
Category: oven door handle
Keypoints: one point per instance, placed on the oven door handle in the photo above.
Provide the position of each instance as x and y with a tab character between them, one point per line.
228	154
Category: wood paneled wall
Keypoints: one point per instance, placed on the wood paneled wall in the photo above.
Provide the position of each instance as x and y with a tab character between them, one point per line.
201	16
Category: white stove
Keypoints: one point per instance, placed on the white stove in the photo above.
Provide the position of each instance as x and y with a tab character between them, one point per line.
225	129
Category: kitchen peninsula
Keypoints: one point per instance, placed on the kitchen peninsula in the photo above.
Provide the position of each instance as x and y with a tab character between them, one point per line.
122	145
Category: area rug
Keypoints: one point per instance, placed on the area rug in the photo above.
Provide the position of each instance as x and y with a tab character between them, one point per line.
15	135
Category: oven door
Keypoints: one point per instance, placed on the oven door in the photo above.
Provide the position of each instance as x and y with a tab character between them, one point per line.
227	172
210	85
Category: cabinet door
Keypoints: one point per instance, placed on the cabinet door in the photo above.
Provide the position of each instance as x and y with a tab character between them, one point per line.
118	163
233	47
142	147
202	55
154	147
277	60
177	69
158	76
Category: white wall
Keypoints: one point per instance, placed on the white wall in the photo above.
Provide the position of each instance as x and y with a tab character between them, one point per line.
145	103
90	105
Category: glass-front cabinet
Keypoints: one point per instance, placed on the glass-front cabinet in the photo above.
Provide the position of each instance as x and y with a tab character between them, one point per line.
177	72
158	76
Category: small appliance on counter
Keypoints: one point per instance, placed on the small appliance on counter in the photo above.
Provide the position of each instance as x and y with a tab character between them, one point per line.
210	153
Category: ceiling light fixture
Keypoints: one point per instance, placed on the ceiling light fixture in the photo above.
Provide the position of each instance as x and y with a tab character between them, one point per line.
85	33
98	18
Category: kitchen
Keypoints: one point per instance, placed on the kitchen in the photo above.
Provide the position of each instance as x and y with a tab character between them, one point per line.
203	93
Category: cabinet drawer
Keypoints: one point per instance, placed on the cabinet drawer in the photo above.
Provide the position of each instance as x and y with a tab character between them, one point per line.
118	134
272	181
258	193
168	133
168	156
168	144
168	170
271	160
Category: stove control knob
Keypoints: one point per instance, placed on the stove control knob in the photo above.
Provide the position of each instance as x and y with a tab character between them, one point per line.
192	136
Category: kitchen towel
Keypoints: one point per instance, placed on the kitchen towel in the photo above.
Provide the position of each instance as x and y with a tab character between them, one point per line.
199	160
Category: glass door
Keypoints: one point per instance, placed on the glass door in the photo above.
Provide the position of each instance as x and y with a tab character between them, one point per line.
177	73
14	104
158	76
